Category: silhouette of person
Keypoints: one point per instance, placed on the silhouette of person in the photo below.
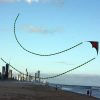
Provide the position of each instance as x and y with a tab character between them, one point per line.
56	88
88	92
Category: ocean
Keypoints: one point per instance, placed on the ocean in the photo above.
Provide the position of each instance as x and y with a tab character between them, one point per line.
78	83
78	89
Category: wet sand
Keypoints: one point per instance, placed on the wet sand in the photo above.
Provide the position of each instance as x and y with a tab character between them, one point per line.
29	91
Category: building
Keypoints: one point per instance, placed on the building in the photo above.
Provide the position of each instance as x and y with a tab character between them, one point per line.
7	71
3	72
37	76
0	75
10	74
27	76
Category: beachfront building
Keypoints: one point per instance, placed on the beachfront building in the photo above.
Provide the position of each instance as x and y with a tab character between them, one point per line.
37	76
7	71
10	74
3	72
0	75
27	76
19	77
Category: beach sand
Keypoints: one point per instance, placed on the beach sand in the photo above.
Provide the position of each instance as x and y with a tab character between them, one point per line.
27	91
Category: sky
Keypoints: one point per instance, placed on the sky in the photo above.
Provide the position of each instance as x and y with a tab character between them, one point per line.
49	26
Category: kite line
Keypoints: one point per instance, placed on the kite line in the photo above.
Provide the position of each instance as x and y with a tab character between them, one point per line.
38	53
94	45
54	75
12	67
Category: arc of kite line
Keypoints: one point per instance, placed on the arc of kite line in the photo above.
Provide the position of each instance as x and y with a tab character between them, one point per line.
69	70
38	53
54	75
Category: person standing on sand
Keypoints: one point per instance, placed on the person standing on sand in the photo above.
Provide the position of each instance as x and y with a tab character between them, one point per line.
88	92
56	87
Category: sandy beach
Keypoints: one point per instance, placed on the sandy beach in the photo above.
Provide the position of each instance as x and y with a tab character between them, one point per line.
28	91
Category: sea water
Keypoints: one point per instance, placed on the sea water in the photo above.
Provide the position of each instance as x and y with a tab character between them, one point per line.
78	89
78	84
83	90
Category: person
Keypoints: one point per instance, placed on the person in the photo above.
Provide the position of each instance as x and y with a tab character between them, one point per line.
88	92
56	87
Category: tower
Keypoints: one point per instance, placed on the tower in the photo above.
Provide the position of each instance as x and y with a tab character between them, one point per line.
10	74
38	76
7	71
0	75
27	76
3	72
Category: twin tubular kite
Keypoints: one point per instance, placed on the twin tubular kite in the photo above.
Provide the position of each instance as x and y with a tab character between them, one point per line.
94	44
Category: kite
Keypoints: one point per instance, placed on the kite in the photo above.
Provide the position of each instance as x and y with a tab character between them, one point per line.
95	44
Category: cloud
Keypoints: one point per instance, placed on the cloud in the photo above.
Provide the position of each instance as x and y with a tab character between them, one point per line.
7	1
34	29
62	62
57	2
45	1
32	1
10	1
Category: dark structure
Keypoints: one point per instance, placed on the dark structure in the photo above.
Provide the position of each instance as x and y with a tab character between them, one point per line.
3	72
7	71
39	76
35	76
0	75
